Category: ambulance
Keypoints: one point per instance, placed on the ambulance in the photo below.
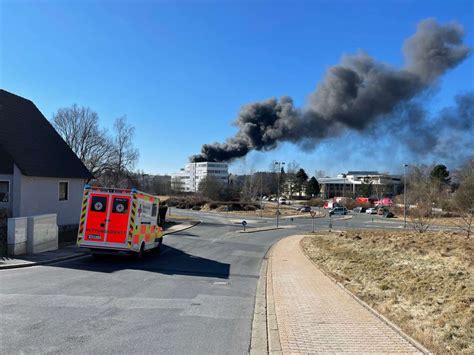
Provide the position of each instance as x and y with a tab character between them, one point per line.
119	220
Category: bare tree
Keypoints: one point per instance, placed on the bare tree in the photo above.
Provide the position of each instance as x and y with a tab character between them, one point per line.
211	187
423	194
252	187
125	155
79	127
464	198
291	182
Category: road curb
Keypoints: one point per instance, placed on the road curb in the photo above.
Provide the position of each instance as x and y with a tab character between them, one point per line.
273	335
306	216
342	219
43	262
259	339
192	224
265	338
369	308
263	229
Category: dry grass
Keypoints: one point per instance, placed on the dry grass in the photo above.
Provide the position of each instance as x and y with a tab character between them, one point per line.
422	282
447	221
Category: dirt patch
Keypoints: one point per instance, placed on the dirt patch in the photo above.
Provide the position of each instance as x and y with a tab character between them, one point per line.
267	211
422	282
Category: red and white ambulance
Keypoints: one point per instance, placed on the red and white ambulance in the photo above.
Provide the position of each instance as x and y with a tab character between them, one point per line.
119	220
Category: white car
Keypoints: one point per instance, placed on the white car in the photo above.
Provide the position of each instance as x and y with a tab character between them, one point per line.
371	210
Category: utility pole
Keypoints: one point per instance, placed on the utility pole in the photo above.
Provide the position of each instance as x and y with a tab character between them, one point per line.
405	197
344	190
278	193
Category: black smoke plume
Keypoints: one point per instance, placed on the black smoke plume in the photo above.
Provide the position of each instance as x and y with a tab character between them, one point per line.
353	95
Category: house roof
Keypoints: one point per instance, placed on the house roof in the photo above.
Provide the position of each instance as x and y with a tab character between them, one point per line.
32	143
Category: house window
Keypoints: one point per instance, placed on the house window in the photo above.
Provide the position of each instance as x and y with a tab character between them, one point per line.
4	191
63	191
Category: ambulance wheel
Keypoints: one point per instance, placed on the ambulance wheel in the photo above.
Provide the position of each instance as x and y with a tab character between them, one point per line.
140	254
158	248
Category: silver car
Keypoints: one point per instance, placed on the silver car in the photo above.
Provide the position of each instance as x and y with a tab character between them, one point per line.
338	211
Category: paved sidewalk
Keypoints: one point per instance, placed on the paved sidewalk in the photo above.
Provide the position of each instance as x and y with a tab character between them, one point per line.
314	315
47	257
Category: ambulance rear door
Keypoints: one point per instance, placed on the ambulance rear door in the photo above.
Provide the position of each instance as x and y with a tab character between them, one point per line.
118	220
97	215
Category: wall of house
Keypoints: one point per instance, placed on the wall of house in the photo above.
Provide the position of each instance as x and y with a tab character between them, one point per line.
7	205
40	195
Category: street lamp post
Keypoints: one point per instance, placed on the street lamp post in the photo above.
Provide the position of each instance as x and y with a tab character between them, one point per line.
279	163
344	190
405	196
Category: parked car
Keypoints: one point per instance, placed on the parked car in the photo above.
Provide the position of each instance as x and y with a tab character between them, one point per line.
337	211
381	211
359	209
371	210
388	214
282	201
305	209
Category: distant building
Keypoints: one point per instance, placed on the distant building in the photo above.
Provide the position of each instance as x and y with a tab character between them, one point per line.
188	179
349	184
39	173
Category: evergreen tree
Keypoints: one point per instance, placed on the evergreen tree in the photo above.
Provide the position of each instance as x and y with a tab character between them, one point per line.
366	189
312	188
301	177
440	174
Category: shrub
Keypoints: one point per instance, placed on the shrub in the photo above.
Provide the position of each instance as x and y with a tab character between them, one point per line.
316	202
349	203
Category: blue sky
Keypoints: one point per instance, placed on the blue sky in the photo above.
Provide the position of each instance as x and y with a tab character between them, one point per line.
180	70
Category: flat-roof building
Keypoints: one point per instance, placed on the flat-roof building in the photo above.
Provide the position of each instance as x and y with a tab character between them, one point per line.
188	179
349	184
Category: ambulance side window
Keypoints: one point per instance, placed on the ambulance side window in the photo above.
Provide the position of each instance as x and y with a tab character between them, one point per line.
120	205
154	208
99	204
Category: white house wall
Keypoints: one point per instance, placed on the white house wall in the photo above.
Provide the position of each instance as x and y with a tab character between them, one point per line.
40	195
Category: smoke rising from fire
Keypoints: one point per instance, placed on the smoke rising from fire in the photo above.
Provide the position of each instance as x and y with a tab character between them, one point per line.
355	94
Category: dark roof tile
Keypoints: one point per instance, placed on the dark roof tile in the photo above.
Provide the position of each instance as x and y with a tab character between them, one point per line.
33	144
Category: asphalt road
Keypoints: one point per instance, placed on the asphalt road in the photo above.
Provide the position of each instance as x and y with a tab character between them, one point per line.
197	297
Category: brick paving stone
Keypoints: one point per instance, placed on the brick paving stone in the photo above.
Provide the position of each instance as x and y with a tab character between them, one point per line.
316	316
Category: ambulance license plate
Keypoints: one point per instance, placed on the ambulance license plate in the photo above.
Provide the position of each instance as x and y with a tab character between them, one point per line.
94	236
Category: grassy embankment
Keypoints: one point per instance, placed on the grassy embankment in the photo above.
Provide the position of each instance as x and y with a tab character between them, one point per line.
422	282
